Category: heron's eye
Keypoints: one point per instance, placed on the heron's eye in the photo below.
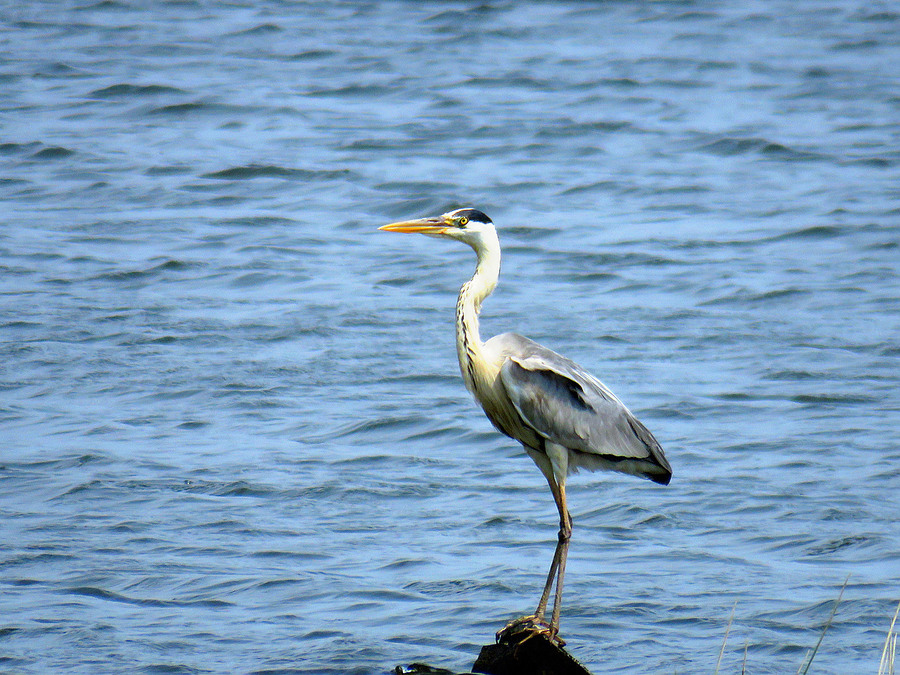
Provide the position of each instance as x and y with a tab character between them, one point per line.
463	221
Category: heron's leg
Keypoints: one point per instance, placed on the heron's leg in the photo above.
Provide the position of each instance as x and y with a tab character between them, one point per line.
557	567
562	552
551	577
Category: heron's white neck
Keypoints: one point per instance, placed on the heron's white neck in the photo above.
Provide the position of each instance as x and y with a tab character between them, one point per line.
471	295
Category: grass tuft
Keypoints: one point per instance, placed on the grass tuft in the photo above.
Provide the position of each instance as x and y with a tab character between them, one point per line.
889	653
725	639
804	669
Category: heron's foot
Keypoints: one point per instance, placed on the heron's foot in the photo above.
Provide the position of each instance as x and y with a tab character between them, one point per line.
526	627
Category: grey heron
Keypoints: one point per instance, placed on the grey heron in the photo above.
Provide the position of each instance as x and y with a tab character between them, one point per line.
565	418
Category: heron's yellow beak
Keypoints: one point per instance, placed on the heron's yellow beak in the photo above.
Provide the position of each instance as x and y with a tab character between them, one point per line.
434	225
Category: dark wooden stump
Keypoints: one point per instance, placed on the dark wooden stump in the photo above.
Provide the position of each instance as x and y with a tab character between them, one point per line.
523	649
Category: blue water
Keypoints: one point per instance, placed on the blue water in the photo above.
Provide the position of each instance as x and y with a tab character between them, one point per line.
233	436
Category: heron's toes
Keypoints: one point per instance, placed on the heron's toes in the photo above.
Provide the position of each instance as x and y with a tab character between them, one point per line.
523	623
526	627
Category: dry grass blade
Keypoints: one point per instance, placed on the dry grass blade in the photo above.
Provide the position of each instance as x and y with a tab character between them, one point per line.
725	639
888	654
804	669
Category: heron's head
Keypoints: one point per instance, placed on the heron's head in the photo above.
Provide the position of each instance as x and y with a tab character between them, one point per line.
467	225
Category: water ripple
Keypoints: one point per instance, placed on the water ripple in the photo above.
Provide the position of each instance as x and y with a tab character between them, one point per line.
102	594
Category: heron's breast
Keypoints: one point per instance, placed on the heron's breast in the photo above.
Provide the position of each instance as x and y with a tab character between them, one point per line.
491	394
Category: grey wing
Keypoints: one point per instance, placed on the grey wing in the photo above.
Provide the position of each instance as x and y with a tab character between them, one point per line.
565	404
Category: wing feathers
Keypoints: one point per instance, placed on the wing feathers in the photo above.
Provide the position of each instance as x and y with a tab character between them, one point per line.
566	405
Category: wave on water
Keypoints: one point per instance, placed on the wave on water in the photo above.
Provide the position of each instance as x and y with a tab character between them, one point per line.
312	55
263	29
730	146
137	274
53	152
206	108
103	594
137	90
250	171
